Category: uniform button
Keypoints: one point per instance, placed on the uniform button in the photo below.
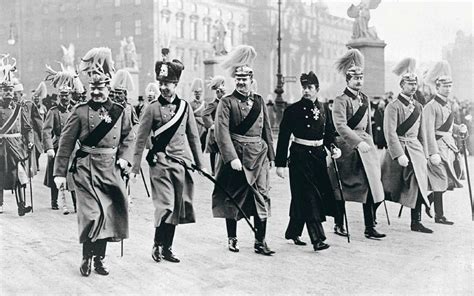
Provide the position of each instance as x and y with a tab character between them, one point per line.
115	137
304	108
243	108
92	125
309	152
164	116
308	125
306	116
92	116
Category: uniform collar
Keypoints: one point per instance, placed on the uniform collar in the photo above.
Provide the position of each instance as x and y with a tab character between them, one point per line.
406	100
97	105
241	96
441	100
165	102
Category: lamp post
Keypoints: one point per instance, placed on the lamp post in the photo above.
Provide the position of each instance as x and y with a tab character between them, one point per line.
280	104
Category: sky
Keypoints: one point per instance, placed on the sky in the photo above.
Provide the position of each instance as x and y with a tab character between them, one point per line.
416	28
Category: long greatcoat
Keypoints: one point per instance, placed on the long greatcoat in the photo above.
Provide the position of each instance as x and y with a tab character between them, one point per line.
441	177
102	207
36	122
359	172
402	184
171	184
208	117
13	151
249	187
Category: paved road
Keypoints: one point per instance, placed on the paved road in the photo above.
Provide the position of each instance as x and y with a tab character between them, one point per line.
40	253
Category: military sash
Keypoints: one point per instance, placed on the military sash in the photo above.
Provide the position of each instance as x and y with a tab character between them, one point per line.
98	133
250	119
360	113
163	135
7	126
410	121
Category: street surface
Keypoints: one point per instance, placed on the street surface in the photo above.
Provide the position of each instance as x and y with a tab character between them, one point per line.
40	253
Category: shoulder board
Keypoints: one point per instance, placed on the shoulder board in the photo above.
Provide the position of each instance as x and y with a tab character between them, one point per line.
122	106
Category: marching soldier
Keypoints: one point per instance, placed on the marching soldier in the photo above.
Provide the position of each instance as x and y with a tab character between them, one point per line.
172	124
312	197
359	164
38	95
198	104
121	85
15	130
244	138
438	120
404	170
55	121
209	115
104	135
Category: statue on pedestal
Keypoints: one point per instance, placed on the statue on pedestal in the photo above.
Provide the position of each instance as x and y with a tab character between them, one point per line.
221	41
361	14
127	57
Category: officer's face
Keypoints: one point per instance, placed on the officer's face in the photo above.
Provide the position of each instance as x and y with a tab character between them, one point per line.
243	83
310	91
17	96
408	88
8	93
64	98
356	82
36	100
167	89
198	94
220	92
99	93
445	89
151	98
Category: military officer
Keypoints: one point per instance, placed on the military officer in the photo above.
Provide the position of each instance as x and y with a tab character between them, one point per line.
312	197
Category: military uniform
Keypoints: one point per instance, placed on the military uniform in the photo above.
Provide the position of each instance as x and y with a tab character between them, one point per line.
198	109
312	197
55	121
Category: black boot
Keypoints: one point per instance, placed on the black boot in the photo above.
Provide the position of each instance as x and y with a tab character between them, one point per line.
297	241
418	227
54	198
320	245
156	252
443	220
99	266
261	247
85	267
340	230
370	232
22	210
233	245
169	256
74	201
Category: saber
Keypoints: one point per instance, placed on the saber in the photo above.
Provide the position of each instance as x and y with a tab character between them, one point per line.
386	211
336	170
194	167
144	183
399	213
30	175
464	138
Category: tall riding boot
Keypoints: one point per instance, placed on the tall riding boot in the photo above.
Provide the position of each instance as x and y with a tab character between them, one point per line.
416	218
439	211
260	245
54	197
19	193
168	243
369	222
232	242
158	243
317	236
87	252
99	251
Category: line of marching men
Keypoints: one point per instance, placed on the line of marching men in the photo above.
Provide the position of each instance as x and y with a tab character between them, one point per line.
94	150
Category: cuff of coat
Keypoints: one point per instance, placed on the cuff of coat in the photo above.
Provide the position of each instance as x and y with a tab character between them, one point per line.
61	166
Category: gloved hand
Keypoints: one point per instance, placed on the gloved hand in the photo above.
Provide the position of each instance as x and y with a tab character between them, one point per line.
60	182
463	129
50	153
280	172
363	147
236	164
435	159
122	163
403	161
336	153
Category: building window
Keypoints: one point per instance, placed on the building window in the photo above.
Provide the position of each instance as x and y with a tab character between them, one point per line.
180	4
118	28
207	32
180	28
195	59
116	3
180	54
61	32
194	31
138	27
139	60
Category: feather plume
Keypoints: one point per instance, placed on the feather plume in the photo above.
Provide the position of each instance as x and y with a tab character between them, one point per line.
59	79
441	68
151	88
216	81
242	55
98	60
407	65
122	80
41	91
353	57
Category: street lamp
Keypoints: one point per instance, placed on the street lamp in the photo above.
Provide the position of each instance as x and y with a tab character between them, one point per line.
11	39
280	104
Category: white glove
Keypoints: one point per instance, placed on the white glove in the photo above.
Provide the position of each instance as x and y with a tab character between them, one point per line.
435	159
403	161
336	153
280	172
236	164
363	147
51	153
60	182
122	163
463	128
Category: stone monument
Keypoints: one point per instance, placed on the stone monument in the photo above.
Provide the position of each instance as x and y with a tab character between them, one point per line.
127	59
365	39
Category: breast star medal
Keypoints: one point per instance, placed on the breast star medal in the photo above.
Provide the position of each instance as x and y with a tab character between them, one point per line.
316	113
104	115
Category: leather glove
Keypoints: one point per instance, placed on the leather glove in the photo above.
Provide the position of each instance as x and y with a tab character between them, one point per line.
363	147
60	182
435	159
336	153
236	164
280	172
403	161
51	153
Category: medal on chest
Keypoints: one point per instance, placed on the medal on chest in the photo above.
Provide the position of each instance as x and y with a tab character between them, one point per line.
104	115
316	113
